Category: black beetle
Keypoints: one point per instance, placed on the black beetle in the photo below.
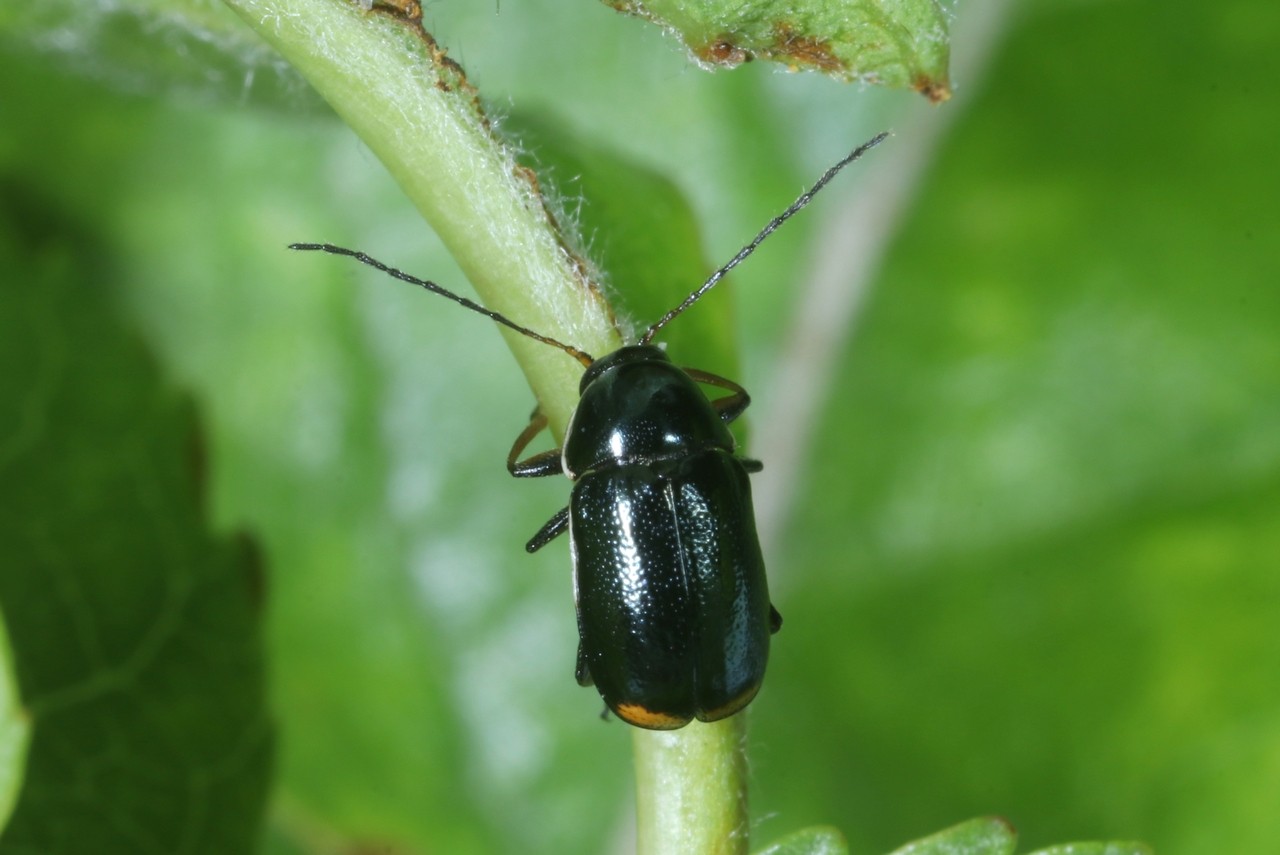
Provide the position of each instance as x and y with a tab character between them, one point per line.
674	616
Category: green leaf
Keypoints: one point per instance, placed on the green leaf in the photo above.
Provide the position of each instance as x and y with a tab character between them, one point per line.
1034	552
1110	848
901	44
15	730
809	841
176	48
984	836
994	836
1028	569
134	631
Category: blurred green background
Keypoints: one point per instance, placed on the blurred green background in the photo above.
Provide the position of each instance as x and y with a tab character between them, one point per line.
1022	513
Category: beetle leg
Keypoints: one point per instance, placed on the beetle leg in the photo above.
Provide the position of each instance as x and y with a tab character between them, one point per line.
582	673
555	527
539	465
731	407
752	466
775	620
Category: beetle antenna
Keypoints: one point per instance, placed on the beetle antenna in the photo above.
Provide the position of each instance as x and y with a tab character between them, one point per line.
580	355
804	199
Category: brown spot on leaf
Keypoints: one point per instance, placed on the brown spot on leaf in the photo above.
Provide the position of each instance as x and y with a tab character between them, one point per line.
936	91
723	51
450	77
798	50
627	7
408	10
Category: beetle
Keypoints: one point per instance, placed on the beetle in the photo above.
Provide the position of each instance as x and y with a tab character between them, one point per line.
673	608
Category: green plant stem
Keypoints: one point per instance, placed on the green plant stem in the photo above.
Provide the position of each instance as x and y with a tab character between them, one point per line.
691	791
415	110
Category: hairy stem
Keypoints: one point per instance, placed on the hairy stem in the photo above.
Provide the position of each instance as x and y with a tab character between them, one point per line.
393	84
691	790
412	105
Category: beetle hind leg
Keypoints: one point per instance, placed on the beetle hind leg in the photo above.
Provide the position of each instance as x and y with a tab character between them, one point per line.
775	620
553	528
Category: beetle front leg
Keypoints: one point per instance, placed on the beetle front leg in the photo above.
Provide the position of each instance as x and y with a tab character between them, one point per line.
554	527
539	465
731	407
